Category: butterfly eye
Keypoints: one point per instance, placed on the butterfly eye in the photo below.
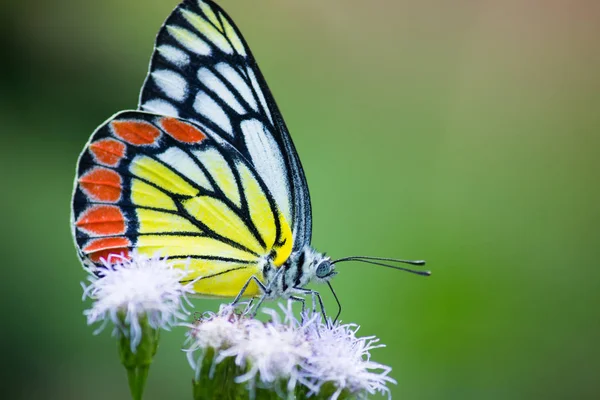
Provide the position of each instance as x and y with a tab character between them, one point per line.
324	269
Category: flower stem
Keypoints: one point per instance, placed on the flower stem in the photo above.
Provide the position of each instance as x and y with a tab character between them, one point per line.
137	361
137	381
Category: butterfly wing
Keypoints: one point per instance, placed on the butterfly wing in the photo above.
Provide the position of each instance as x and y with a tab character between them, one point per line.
151	183
202	70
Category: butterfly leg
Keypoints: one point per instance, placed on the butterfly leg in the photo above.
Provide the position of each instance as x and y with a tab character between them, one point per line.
314	302
303	301
262	287
316	294
259	303
249	306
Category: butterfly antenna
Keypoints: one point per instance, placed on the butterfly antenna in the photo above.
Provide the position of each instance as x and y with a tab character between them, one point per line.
378	261
337	301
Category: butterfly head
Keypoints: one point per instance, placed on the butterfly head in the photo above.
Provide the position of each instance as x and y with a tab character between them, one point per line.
325	269
315	266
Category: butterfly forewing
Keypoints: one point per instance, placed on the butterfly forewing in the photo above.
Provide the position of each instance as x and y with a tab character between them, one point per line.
155	183
202	70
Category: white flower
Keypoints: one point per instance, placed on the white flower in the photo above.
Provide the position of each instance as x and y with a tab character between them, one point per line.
273	351
214	331
217	330
342	358
309	353
135	288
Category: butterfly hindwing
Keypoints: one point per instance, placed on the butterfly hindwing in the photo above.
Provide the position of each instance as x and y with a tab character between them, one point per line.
154	183
202	70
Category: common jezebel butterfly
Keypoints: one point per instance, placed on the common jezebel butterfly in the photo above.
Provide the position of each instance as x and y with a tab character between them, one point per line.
204	172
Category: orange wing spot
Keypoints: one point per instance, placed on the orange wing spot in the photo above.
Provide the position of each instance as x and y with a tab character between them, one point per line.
136	132
182	131
101	184
102	221
103	248
108	151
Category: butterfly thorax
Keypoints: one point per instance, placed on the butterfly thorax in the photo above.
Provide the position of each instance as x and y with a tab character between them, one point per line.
299	269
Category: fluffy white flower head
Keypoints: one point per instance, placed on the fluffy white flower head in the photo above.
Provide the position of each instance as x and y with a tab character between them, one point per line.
217	330
342	358
273	351
310	353
136	287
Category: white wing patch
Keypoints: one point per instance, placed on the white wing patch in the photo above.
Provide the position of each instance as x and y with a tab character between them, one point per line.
161	107
233	77
171	83
189	40
219	89
206	106
257	90
185	165
269	163
174	55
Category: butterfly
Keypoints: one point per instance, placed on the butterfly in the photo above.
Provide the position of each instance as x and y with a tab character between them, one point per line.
204	172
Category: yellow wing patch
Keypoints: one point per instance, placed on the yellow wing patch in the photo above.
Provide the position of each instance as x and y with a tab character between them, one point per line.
185	165
151	221
230	283
223	221
208	30
145	195
233	37
209	13
220	278
219	169
214	26
260	209
159	174
286	243
189	40
190	246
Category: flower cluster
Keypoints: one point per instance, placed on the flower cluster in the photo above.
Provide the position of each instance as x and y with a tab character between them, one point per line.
310	358
127	290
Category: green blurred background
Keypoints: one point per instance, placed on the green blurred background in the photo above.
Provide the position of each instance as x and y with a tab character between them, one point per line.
465	133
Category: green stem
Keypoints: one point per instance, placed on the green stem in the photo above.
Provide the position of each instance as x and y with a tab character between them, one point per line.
132	379
137	362
137	381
